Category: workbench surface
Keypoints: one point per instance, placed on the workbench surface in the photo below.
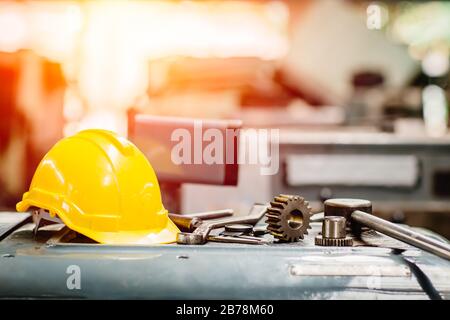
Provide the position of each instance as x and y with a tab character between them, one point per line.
32	268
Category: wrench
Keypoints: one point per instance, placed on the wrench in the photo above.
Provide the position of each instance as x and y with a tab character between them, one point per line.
200	235
216	214
189	222
238	239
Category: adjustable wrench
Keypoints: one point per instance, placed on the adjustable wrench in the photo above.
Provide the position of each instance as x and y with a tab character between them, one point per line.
200	235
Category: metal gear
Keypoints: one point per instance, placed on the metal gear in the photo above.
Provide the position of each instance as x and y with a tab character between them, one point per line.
334	233
330	242
288	217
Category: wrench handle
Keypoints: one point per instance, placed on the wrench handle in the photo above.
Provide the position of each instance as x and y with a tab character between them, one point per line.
254	216
211	214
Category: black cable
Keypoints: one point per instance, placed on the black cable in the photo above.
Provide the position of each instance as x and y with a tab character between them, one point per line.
423	280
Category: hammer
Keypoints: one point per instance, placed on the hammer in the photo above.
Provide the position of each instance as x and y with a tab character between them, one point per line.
358	213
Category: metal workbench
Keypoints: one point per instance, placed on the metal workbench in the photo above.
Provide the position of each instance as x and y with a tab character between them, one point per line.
31	268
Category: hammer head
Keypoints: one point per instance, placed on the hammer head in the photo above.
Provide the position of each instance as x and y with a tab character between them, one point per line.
345	208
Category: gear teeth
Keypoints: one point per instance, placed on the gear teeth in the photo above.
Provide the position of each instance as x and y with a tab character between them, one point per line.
274	225
276	204
276	211
272	216
279	213
277	230
289	196
329	242
277	235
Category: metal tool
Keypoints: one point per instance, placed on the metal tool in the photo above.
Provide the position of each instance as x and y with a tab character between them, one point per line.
63	235
238	239
334	233
237	227
344	208
41	218
216	214
236	232
200	235
288	218
260	230
350	208
185	223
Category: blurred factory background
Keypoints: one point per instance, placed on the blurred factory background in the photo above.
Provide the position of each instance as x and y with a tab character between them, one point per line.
359	90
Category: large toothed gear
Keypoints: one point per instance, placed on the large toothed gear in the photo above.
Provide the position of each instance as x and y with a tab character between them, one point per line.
288	218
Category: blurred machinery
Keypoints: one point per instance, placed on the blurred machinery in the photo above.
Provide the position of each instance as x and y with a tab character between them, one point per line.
400	174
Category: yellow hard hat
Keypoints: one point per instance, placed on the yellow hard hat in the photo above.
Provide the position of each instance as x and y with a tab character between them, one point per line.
100	185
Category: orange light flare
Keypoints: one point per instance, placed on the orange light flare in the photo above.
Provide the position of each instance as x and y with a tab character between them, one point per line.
105	46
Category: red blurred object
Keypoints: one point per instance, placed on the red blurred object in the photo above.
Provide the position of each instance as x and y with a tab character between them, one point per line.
152	135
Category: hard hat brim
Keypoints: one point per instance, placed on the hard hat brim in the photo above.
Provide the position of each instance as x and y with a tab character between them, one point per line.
145	237
168	234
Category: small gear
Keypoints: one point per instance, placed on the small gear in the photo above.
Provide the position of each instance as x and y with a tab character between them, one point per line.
288	217
330	242
334	233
